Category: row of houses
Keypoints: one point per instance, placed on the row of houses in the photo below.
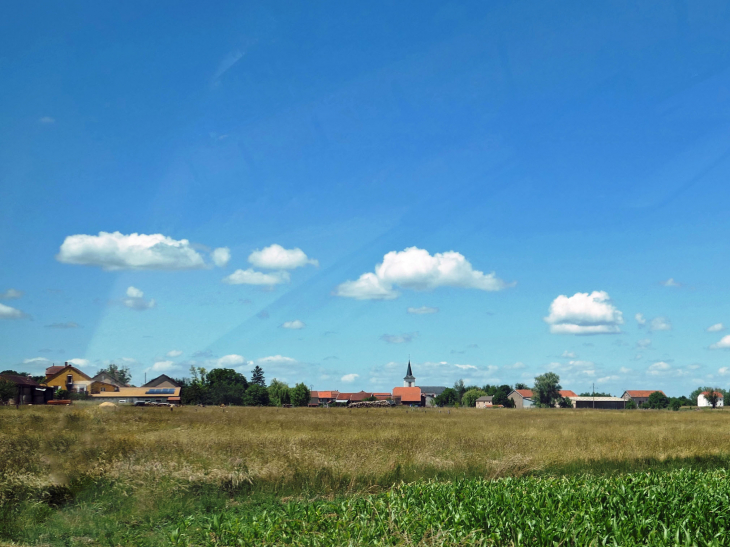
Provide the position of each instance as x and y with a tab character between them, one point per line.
102	387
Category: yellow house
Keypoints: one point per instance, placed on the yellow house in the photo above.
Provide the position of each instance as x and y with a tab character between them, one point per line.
100	387
68	377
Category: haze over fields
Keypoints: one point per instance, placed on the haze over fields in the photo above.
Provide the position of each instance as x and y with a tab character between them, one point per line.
493	189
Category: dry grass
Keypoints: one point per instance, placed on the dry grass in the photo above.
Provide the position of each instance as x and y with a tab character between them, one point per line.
338	450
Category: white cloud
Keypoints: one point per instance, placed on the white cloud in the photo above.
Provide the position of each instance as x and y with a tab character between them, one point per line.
174	353
724	343
584	313
724	371
162	366
398	339
660	368
640	319
717	327
231	360
348	378
515	366
276	257
36	360
79	362
416	269
252	277
11	294
221	256
670	283
624	370
47	119
605	379
116	251
422	310
568	354
135	300
276	360
296	324
466	367
643	343
6	312
660	323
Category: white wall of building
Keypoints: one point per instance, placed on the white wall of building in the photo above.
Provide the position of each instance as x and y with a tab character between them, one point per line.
702	401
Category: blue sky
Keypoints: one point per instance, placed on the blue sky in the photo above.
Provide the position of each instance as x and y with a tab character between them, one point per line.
279	184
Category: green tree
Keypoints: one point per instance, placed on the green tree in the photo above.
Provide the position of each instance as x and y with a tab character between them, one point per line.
565	402
630	405
520	385
226	387
446	398
594	394
470	397
122	374
460	389
693	396
712	396
547	390
257	376
658	400
256	395
278	393
299	395
7	390
61	395
675	404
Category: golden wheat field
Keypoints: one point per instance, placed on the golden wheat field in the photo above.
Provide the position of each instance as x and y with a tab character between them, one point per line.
338	450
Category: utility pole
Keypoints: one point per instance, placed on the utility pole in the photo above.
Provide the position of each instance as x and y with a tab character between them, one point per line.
594	395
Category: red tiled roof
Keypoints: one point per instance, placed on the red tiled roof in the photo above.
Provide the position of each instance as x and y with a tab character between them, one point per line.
567	393
642	392
325	394
719	395
50	371
526	393
344	396
361	396
408	394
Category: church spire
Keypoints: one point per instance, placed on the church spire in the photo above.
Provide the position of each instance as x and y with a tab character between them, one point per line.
409	380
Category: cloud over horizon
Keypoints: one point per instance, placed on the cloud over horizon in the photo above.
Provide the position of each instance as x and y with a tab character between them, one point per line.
584	313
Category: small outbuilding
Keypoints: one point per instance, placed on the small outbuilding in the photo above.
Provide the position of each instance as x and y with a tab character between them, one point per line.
639	396
28	391
485	401
602	403
703	402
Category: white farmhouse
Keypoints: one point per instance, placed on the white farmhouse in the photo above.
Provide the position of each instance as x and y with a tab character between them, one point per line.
702	400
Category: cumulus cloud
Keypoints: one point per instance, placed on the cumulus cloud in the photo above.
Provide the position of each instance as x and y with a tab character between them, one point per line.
605	379
36	361
584	313
162	366
417	269
11	294
221	256
349	378
624	370
296	324
7	312
670	283
422	310
117	251
252	277
724	343
79	362
276	360
232	360
174	353
660	368
717	327
276	257
466	367
135	300
398	338
640	319
660	323
724	371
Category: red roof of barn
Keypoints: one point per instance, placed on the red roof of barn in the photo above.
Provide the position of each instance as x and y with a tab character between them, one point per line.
408	394
719	395
643	392
526	393
567	393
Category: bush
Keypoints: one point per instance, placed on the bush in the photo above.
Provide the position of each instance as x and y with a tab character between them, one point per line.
299	395
630	405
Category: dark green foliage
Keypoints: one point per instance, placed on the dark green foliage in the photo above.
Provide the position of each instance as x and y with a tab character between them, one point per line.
696	392
520	385
594	394
470	397
278	393
460	389
257	376
7	390
547	390
500	395
122	374
447	398
256	395
658	400
565	402
299	395
630	405
675	404
226	386
712	396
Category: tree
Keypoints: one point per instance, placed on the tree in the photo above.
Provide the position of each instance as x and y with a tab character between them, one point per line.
7	390
121	374
257	376
712	396
446	398
460	389
500	396
630	405
658	400
547	389
278	393
594	394
693	396
299	395
565	402
471	396
675	404
256	395
520	385
61	395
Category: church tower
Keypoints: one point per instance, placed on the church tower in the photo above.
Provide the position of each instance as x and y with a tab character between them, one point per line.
409	380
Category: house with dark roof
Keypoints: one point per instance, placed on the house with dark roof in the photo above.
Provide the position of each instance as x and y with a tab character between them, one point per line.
27	390
484	401
163	380
639	396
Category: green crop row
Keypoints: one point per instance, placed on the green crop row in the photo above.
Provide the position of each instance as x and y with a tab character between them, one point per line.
678	508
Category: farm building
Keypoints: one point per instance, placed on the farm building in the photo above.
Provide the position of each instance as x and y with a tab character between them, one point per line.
409	396
133	395
430	393
485	401
69	378
523	397
703	402
639	396
27	390
107	378
604	403
325	397
162	381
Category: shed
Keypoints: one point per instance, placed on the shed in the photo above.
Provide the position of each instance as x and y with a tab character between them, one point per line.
604	403
28	391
